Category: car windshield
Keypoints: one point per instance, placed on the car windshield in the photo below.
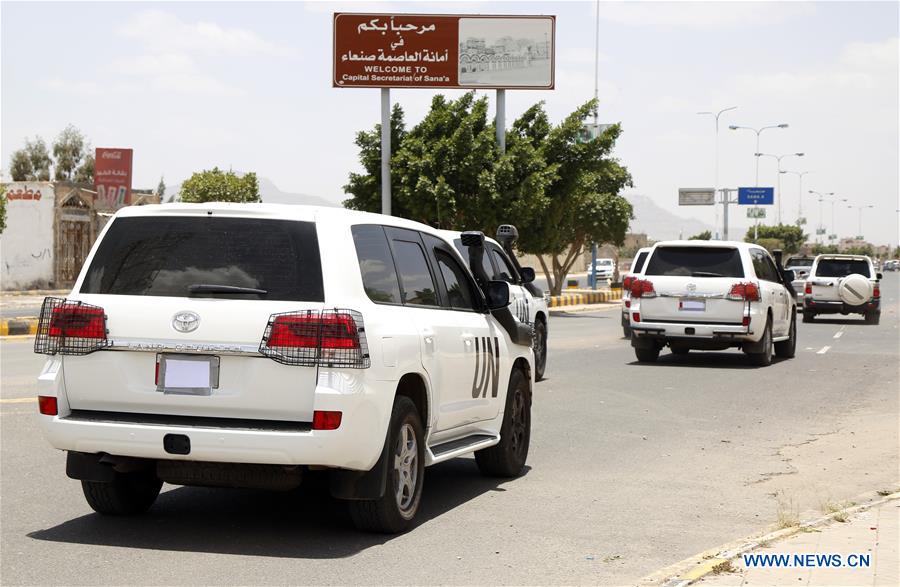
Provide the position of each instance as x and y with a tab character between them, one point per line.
237	258
842	267
695	262
605	262
798	263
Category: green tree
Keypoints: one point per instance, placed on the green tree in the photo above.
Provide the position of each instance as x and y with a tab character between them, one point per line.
161	188
40	159
70	149
791	236
215	185
820	249
85	171
447	172
703	236
20	168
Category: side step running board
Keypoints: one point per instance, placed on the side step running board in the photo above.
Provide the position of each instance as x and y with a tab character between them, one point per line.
454	448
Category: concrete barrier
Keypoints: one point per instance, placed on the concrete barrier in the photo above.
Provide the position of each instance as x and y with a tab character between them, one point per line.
585	297
14	326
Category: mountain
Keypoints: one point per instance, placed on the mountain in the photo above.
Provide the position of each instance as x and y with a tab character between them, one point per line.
660	224
272	195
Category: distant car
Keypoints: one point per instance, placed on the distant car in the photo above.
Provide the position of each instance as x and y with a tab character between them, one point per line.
800	265
891	265
713	295
637	266
842	284
604	270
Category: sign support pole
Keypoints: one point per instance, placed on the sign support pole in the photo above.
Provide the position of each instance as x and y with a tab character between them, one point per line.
386	151
500	121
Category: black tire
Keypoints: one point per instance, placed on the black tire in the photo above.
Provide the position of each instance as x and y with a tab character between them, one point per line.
808	317
873	318
764	359
786	349
394	511
678	349
127	495
626	331
507	458
646	355
540	349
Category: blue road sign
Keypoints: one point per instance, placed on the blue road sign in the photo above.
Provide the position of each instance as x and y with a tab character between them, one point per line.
756	196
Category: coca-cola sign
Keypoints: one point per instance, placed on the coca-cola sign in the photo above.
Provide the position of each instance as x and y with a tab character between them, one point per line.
112	177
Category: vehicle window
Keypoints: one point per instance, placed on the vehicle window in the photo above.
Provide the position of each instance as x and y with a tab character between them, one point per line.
376	264
763	266
418	286
485	260
695	262
798	263
165	255
459	293
605	262
842	267
505	271
639	262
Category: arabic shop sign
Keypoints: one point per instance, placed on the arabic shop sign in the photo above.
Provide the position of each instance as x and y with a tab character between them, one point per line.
112	177
441	51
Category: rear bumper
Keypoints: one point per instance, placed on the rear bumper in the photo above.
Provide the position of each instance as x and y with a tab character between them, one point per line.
838	307
684	330
355	445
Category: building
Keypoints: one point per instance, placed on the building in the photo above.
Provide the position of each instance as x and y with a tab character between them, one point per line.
50	228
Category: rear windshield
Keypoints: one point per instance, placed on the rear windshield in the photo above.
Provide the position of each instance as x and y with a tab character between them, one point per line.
798	263
604	262
695	262
165	256
842	267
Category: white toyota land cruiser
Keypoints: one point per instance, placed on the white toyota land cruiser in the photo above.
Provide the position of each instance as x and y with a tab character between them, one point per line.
527	302
842	284
712	295
238	345
637	266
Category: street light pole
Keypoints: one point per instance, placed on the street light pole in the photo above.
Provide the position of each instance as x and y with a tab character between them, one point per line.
758	132
717	115
821	226
799	174
860	207
778	158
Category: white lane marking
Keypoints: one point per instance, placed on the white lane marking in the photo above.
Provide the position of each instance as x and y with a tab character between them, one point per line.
839	334
823	350
18	400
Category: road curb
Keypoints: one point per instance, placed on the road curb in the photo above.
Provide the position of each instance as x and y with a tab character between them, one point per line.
692	569
18	326
580	298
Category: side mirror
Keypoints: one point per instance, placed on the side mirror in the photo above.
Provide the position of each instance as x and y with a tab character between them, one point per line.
497	295
879	276
788	275
527	274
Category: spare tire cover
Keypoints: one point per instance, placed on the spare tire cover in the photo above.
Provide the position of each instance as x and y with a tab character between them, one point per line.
855	289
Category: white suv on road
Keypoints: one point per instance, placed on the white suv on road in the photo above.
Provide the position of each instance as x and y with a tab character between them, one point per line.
637	266
239	345
712	295
842	284
527	302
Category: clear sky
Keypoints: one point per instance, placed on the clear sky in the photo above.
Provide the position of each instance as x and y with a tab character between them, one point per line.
247	85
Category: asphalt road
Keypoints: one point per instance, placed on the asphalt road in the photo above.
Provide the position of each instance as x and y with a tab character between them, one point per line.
632	468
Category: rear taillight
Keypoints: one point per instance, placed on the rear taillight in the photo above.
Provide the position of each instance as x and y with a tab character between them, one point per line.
807	289
636	316
70	327
642	288
747	291
627	303
323	420
47	405
876	292
332	338
626	283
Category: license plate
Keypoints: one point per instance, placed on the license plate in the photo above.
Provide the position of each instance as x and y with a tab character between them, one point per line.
187	374
692	305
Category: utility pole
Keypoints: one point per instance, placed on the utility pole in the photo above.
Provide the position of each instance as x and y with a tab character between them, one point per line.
716	187
386	151
592	278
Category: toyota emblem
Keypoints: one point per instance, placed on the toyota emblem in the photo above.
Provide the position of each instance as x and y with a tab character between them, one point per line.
186	321
692	287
